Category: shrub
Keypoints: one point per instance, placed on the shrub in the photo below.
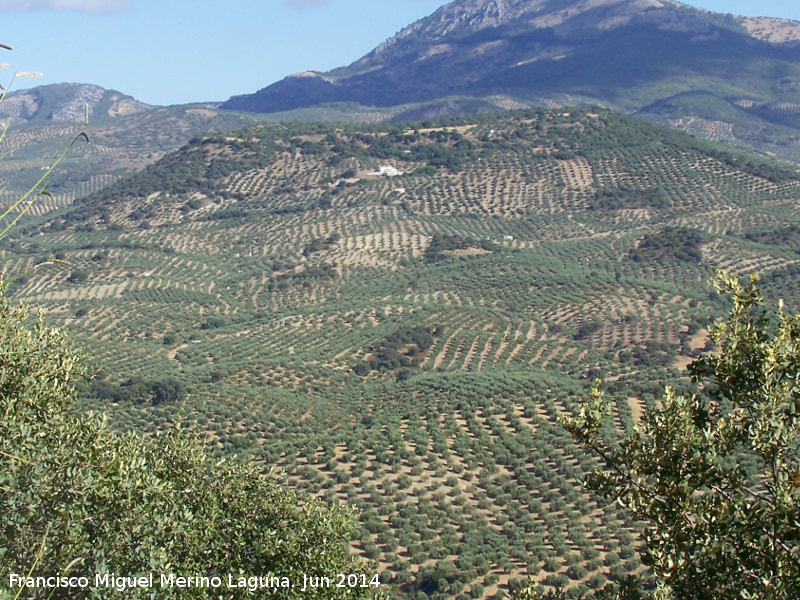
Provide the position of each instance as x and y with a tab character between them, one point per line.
713	529
97	502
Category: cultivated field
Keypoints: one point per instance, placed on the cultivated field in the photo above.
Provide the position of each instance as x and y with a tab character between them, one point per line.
406	343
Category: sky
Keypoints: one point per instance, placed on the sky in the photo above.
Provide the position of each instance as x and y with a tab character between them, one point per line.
181	51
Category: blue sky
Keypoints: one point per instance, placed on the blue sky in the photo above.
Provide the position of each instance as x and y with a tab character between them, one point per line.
178	51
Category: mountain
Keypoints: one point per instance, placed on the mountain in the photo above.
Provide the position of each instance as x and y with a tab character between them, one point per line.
125	136
629	55
406	341
71	102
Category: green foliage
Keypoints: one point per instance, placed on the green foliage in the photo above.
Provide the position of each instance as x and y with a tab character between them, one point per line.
586	329
788	237
630	197
715	475
319	245
78	499
137	389
671	244
398	350
306	275
78	276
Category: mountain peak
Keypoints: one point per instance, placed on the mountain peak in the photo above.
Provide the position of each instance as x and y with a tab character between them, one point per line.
68	102
630	55
469	16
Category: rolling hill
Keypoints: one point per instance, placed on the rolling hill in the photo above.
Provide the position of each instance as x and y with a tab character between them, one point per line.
396	315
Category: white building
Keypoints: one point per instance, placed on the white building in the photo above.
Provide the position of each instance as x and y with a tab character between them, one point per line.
387	170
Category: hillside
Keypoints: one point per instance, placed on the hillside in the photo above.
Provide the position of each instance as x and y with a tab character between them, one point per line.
636	56
72	102
126	135
405	342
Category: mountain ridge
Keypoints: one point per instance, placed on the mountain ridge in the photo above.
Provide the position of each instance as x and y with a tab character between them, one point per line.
68	102
126	135
620	54
474	15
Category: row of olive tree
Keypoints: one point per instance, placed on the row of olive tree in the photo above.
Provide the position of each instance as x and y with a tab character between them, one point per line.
713	476
78	499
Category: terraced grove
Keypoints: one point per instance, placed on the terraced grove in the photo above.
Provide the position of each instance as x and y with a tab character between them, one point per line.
406	343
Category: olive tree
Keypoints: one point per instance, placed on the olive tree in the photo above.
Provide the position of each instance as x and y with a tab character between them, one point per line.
714	476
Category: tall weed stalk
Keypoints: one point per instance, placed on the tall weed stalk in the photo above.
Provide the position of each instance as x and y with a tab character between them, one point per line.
39	188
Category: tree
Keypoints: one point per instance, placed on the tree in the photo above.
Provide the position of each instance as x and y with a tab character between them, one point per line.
77	499
714	476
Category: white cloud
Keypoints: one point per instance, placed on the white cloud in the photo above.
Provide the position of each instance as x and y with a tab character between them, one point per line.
96	6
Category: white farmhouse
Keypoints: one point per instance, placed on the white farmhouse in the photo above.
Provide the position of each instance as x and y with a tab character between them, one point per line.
387	170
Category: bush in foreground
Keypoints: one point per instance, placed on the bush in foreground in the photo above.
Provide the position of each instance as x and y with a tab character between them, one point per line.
714	475
78	499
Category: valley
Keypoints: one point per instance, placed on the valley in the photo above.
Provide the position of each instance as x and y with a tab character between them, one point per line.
406	343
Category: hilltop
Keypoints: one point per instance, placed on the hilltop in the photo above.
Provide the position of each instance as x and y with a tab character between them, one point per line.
734	80
405	341
731	79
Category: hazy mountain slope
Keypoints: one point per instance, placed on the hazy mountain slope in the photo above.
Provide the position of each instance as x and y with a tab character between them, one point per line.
405	343
68	102
625	54
125	136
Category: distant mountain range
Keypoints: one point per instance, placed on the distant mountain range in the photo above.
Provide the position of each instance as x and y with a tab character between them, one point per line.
727	78
734	80
73	102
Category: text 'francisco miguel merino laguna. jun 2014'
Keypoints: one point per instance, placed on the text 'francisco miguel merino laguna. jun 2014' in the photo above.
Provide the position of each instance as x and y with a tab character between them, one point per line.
251	583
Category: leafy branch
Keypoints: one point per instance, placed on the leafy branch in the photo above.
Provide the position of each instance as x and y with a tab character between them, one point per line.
712	529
